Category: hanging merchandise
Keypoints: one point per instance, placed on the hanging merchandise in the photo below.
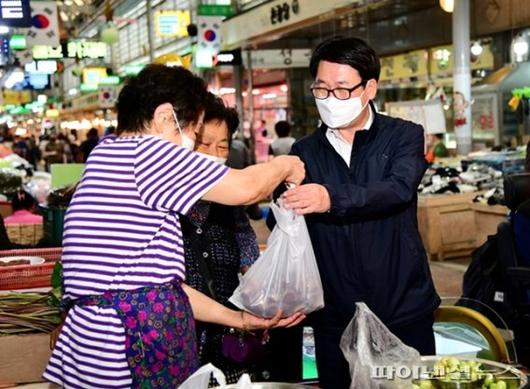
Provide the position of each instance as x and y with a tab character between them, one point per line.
109	32
44	24
518	94
514	103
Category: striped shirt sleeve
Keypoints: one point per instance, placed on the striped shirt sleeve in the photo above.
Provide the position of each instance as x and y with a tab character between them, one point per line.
172	178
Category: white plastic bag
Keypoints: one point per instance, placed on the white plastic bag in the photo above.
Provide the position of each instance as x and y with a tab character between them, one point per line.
376	356
201	379
285	276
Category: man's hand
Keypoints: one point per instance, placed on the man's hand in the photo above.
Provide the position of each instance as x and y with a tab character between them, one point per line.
308	198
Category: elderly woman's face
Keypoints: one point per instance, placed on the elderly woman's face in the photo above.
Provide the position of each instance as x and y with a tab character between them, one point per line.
212	139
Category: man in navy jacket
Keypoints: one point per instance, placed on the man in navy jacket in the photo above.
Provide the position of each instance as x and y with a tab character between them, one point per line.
360	199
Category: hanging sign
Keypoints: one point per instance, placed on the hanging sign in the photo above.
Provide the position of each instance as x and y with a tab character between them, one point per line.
172	23
15	13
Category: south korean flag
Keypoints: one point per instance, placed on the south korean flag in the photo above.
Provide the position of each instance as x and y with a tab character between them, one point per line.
209	33
44	24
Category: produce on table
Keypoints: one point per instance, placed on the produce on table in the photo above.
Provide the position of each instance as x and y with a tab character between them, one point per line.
28	312
468	374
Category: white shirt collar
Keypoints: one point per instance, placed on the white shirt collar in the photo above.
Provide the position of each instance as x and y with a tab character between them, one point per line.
343	147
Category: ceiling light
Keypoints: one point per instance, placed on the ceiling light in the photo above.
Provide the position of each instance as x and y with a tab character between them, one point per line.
476	49
447	5
520	47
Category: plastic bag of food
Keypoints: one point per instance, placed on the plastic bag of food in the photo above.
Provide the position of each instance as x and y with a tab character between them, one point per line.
285	276
377	358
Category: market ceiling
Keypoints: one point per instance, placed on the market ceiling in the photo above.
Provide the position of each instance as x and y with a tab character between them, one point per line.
359	20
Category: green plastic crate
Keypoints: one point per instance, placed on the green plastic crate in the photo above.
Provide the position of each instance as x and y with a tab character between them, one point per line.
53	224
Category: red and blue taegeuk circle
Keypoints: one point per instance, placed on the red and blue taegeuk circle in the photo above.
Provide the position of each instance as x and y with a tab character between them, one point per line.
40	21
210	35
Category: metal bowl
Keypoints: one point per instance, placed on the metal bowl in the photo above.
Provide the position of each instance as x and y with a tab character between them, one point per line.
273	385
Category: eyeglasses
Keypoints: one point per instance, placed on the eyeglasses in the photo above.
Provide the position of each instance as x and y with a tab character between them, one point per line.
339	93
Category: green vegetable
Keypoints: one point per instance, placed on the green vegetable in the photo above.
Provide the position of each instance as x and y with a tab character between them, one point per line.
27	312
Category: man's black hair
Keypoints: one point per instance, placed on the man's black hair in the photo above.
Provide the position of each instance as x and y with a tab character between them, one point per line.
282	128
347	51
216	110
156	85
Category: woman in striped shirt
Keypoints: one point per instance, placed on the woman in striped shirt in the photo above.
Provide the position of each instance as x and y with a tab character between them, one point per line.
131	321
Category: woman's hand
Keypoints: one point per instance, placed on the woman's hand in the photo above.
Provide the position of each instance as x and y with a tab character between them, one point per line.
296	169
251	322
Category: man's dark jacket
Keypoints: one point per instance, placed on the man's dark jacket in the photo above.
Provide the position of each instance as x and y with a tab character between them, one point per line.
368	247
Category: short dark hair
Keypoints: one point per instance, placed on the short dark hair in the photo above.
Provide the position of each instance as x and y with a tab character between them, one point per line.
156	85
347	51
92	133
282	128
216	110
23	200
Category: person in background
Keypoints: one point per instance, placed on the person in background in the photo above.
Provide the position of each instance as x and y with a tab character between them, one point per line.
262	142
54	151
34	152
21	147
360	202
68	155
24	206
110	130
435	147
89	143
72	136
131	322
282	145
239	154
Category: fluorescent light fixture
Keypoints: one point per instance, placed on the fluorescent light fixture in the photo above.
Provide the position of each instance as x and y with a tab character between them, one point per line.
72	91
225	57
256	92
284	88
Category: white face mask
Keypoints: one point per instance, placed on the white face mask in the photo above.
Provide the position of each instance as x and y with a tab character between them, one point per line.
337	113
186	141
220	160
